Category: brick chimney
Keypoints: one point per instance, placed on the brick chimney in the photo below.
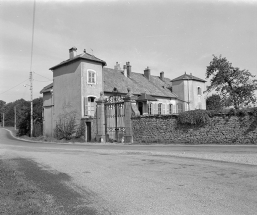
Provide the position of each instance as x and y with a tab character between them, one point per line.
73	52
117	66
162	76
128	69
147	73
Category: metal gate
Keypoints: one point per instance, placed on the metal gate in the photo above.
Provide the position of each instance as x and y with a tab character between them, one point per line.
114	119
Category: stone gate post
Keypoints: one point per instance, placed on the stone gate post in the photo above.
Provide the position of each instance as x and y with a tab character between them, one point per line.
100	119
128	137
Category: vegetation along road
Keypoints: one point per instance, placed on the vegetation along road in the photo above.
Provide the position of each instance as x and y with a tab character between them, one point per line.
43	178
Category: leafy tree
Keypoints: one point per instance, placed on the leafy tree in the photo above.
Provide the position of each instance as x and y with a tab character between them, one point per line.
213	102
234	86
2	109
23	118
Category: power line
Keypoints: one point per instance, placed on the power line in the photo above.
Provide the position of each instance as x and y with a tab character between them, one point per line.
41	81
13	87
43	76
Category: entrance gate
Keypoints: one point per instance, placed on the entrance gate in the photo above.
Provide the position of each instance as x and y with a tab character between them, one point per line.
114	118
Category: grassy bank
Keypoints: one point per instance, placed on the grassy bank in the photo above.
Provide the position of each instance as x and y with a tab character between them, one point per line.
19	196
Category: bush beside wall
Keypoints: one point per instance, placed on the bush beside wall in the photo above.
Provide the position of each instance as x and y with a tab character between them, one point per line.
221	129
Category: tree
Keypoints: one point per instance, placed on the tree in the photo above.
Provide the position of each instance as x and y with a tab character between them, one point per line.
2	109
213	102
234	86
23	115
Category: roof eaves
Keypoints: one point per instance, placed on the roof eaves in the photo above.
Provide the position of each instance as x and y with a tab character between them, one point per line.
78	58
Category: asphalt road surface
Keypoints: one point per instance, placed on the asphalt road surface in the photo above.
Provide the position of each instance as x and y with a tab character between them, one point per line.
129	179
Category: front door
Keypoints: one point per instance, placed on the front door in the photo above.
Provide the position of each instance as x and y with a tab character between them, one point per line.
140	107
88	125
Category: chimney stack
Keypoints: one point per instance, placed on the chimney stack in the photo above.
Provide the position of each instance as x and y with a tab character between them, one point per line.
73	52
125	70
147	73
117	66
162	76
128	69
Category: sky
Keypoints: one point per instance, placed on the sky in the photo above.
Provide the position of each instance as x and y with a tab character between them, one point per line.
170	36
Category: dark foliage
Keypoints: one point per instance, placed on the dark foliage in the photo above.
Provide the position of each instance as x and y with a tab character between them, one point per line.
213	102
194	117
234	86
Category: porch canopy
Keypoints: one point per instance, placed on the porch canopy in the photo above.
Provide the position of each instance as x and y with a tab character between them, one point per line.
145	97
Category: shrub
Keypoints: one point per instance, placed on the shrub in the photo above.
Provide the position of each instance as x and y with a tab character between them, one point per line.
65	127
80	132
194	117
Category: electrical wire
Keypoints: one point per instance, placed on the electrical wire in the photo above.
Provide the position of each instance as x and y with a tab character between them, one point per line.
43	76
14	86
41	81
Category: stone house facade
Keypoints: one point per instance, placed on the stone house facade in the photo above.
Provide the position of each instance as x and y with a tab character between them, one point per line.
78	82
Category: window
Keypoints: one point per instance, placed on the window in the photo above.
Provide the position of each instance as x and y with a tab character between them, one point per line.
180	107
91	77
170	108
199	91
150	108
159	108
89	106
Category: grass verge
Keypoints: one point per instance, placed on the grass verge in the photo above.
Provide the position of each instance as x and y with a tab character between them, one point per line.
18	196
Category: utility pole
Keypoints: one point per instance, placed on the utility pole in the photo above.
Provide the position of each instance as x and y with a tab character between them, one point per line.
31	104
15	117
3	119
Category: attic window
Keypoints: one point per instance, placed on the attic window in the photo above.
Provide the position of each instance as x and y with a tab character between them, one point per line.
91	77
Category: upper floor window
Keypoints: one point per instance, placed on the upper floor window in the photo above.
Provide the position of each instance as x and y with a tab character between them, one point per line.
159	108
91	77
199	91
170	108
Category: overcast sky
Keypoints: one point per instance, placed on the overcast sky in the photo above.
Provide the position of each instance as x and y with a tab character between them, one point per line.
169	36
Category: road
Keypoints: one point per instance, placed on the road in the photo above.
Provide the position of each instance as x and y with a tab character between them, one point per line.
129	179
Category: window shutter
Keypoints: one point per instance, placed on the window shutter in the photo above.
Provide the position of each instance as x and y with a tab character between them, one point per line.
94	108
162	108
155	109
167	109
85	106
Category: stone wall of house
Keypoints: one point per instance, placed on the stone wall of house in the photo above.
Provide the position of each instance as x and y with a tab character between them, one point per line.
221	130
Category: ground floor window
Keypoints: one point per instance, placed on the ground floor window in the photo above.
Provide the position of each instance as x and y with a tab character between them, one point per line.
159	108
180	107
150	108
170	108
89	106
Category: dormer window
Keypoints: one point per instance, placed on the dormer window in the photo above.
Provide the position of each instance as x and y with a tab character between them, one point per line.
199	91
91	77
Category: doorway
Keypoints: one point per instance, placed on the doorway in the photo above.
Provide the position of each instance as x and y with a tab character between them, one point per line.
88	129
140	107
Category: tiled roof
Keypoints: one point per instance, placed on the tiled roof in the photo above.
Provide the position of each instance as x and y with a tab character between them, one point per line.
47	88
85	56
188	77
137	82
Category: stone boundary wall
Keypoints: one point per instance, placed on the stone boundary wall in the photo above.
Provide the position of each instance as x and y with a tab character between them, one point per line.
221	130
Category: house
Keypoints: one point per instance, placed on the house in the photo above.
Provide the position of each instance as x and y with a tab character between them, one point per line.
78	82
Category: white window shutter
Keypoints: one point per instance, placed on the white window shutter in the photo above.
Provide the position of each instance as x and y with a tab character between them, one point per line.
155	109
162	108
85	106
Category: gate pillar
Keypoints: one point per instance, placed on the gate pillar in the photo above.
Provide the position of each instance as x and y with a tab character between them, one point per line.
128	137
100	120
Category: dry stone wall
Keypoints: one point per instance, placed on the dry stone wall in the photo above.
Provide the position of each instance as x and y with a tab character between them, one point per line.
220	130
